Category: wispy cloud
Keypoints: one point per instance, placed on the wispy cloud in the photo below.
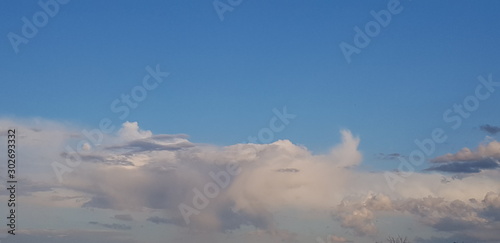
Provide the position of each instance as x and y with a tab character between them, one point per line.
490	129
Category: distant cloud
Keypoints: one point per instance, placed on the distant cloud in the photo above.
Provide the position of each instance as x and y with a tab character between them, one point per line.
391	156
466	167
112	226
73	236
485	157
124	217
288	170
488	150
458	216
490	129
338	239
160	220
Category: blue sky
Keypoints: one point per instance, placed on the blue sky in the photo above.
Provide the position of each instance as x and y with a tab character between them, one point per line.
226	77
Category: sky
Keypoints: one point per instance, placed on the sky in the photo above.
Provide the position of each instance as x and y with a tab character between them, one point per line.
251	121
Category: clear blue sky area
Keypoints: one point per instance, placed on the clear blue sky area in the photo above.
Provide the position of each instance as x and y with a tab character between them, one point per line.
227	76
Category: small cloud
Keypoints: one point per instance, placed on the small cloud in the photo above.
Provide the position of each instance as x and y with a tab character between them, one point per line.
112	226
338	239
466	167
392	156
490	129
159	220
124	217
490	149
288	170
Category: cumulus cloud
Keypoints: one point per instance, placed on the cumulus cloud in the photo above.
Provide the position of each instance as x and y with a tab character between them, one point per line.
271	176
456	216
487	150
244	185
485	157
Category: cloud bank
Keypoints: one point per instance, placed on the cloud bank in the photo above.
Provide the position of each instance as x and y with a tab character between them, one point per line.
135	170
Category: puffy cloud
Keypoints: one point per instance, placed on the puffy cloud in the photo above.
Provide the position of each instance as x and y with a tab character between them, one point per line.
485	157
271	176
488	150
136	170
131	131
358	213
460	217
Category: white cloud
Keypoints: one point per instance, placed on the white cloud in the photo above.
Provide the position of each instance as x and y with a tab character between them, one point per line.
136	170
488	150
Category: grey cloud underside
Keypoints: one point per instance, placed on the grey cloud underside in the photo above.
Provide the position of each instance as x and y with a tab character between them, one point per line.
456	217
148	145
161	220
113	226
96	158
391	156
466	166
490	129
288	170
141	172
124	217
74	236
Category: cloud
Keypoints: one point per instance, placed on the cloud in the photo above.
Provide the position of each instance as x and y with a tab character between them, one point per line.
391	156
456	216
467	167
113	226
488	150
337	239
358	213
130	131
160	220
490	129
485	157
138	171
155	143
124	217
274	175
76	236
